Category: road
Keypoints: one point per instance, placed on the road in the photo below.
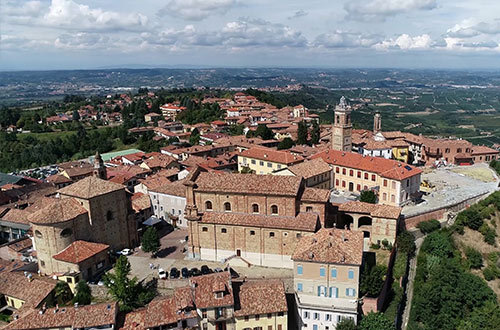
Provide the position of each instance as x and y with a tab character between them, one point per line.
411	279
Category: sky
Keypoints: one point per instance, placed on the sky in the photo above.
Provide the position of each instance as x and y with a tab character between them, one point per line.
77	34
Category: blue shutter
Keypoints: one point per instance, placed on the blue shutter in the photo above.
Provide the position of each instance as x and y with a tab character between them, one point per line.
347	292
334	273
351	274
299	270
319	291
299	287
322	272
336	292
315	327
331	292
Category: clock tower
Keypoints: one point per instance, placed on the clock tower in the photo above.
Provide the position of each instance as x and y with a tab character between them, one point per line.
342	128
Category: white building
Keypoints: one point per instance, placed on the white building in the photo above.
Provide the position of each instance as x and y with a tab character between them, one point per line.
168	203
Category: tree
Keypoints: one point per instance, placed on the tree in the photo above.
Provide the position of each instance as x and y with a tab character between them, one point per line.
194	139
375	321
302	133
76	115
83	293
368	196
127	291
247	170
405	242
315	132
474	258
372	280
150	241
63	293
286	143
428	226
346	324
484	318
264	132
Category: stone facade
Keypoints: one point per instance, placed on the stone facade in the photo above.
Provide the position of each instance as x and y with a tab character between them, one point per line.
342	127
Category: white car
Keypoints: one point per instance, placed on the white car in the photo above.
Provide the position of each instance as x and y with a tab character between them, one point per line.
162	274
126	252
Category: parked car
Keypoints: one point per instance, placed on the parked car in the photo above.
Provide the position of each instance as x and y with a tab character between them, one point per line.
126	252
185	272
195	272
205	270
174	273
162	274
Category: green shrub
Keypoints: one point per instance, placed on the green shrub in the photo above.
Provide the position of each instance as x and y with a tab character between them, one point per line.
428	226
489	273
473	218
372	280
375	246
493	258
474	257
400	265
406	243
489	236
439	244
487	212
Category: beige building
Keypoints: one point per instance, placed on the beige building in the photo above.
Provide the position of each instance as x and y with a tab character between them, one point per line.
262	160
394	182
327	269
342	127
256	218
316	173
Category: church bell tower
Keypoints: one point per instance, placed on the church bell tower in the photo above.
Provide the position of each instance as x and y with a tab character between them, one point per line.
99	168
377	123
342	127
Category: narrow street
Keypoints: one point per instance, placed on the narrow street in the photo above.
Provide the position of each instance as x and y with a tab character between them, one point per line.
411	278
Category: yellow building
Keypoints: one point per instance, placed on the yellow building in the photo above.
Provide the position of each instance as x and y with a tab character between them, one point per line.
262	160
23	290
400	150
262	305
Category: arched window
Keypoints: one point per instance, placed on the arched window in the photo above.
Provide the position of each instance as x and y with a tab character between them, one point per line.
255	208
66	232
38	234
274	209
227	206
208	205
338	120
109	215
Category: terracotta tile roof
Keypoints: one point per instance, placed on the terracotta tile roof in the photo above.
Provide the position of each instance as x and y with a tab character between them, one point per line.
160	160
479	150
79	171
134	320
271	155
261	297
90	187
67	317
330	245
203	290
58	179
158	179
79	251
162	311
140	202
32	292
386	168
304	221
176	188
310	168
315	195
370	144
60	210
16	216
21	245
248	183
375	210
393	134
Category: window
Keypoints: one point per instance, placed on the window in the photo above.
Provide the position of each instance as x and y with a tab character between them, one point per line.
328	317
280	314
252	232
373	177
100	265
393	184
173	212
334	273
299	287
344	171
223	230
253	161
359	174
351	173
299	269
208	205
257	317
66	232
337	169
334	292
42	263
316	316
343	184
299	235
271	234
385	183
269	327
255	208
261	163
269	315
309	209
38	234
336	182
279	166
408	183
351	274
321	291
315	327
322	271
358	187
204	313
384	196
306	314
274	209
393	198
204	229
279	325
269	165
366	176
246	318
109	215
350	292
227	206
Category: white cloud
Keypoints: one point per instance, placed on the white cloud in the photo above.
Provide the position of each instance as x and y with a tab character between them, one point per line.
406	42
298	14
72	16
80	41
373	9
196	10
344	39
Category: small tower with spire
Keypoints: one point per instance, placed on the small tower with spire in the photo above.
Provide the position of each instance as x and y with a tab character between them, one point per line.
342	127
377	122
99	168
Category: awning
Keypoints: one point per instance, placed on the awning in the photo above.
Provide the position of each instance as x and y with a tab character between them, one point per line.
151	221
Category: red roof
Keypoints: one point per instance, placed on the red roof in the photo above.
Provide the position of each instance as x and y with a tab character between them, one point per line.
386	168
79	251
